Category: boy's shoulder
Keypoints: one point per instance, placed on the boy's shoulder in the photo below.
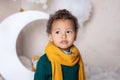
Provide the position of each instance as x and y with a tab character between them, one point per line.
43	59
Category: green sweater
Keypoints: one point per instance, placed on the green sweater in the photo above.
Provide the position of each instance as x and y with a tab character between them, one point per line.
44	70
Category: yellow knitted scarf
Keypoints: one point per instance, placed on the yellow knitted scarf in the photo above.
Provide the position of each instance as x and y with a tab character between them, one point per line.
57	57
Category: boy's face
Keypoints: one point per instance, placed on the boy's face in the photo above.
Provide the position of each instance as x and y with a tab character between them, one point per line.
63	33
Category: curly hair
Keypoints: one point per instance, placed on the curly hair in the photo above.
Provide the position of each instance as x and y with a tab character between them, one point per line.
61	14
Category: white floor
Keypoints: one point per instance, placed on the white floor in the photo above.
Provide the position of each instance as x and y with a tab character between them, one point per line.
92	72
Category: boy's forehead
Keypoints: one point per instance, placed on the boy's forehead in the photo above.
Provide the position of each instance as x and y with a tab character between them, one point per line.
63	23
56	20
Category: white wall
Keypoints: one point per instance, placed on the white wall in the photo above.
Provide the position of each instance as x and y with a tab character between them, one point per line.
101	42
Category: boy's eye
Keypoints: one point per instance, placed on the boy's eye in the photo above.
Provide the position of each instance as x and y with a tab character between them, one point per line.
69	32
57	32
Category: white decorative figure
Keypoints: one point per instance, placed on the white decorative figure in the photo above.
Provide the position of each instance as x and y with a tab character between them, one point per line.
80	8
10	66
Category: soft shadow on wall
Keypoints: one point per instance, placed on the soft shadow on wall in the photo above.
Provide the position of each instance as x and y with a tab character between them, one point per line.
31	42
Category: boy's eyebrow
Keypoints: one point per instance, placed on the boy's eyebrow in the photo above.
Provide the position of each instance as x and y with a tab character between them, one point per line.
57	29
70	28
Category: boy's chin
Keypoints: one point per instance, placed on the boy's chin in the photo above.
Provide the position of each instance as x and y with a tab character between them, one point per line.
65	49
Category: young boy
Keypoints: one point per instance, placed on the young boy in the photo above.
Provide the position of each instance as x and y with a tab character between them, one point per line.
62	60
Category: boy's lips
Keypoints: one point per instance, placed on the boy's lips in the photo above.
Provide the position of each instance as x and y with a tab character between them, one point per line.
64	42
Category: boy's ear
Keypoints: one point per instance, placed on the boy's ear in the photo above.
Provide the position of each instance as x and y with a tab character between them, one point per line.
75	36
50	36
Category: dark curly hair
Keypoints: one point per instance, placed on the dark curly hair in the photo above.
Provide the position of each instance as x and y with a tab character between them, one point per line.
62	14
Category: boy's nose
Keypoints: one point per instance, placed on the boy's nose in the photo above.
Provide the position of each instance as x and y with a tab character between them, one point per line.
64	36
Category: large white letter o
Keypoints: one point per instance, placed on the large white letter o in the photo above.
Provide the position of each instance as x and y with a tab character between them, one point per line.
10	66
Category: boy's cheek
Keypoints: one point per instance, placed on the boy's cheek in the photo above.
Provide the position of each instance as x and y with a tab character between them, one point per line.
50	37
